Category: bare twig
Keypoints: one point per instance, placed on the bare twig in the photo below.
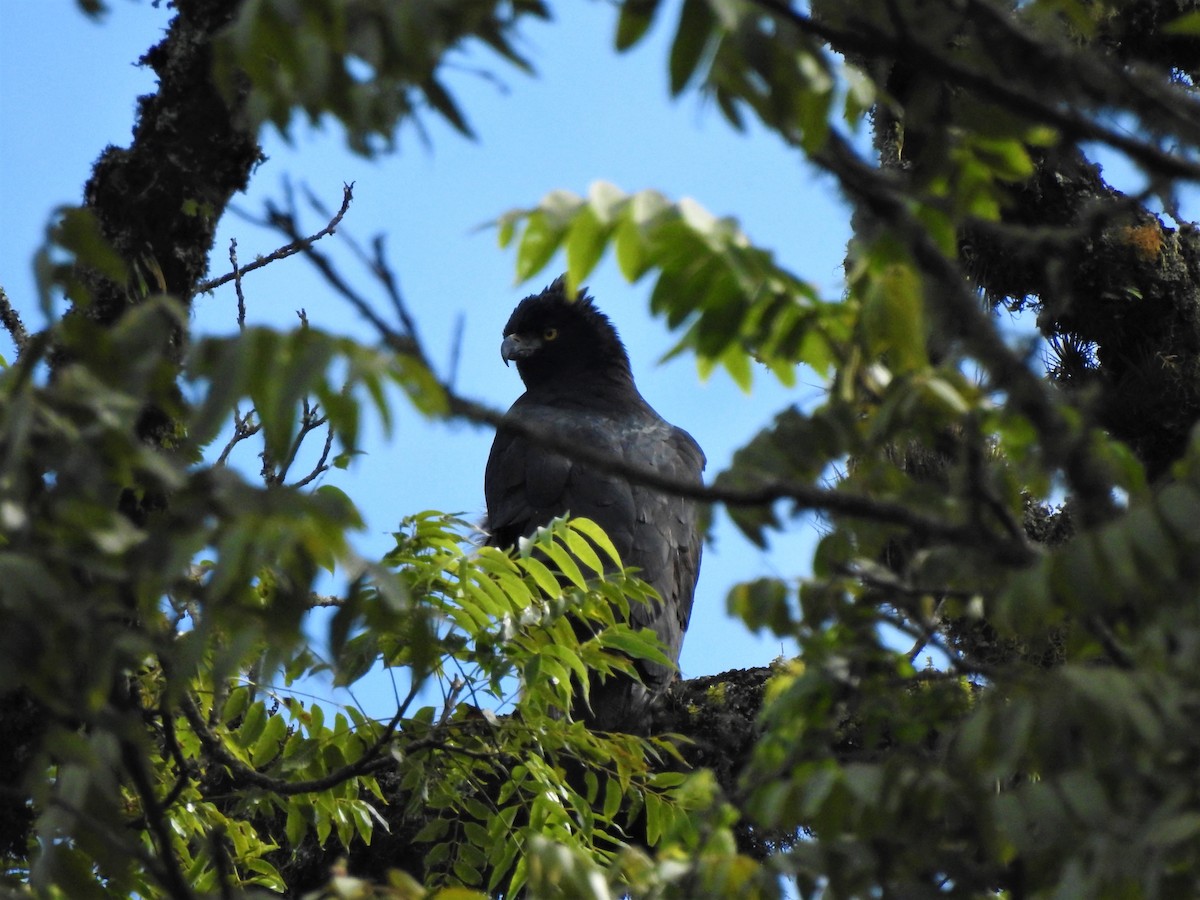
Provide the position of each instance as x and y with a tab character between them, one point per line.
244	427
403	342
297	245
958	661
325	600
237	284
183	769
322	464
310	421
376	263
456	686
220	855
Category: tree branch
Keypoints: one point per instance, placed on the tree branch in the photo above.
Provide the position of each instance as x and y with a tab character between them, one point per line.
372	759
873	42
11	320
297	245
879	193
804	496
169	872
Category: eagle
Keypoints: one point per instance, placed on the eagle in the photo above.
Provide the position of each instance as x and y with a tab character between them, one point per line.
580	388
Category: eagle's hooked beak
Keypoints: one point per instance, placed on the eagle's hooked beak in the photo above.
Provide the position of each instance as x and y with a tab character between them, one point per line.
518	346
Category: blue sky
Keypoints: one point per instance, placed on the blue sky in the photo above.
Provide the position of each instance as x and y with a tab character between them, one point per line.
68	87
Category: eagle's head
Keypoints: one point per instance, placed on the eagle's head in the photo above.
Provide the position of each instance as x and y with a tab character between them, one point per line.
555	338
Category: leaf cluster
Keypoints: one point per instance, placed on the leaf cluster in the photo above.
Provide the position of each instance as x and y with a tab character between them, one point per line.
371	65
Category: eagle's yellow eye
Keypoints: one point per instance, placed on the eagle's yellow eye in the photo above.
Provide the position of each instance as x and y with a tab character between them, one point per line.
550	334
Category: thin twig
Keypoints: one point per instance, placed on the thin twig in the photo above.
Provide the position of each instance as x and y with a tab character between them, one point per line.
237	285
297	245
244	427
376	263
220	855
310	421
184	775
325	600
399	342
322	465
959	661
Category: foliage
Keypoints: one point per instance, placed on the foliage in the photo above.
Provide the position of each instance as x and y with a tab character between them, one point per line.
368	63
1027	526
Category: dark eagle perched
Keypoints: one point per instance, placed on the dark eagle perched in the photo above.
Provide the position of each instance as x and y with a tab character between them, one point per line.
579	386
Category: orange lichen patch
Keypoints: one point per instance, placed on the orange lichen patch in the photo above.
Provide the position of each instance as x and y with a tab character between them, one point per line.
1146	240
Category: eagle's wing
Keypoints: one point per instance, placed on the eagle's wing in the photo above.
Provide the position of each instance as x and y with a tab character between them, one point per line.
666	540
526	485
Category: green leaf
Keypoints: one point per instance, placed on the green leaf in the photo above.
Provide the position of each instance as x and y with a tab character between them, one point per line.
565	564
569	659
235	704
737	364
466	873
267	875
893	313
1007	158
269	744
542	576
433	830
631	254
440	99
582	550
692	35
634	21
585	243
538	242
637	644
613	794
253	725
545	228
597	536
762	603
296	824
1173	830
655	814
1187	25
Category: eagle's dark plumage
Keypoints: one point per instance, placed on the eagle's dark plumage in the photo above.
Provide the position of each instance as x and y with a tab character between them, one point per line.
578	385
